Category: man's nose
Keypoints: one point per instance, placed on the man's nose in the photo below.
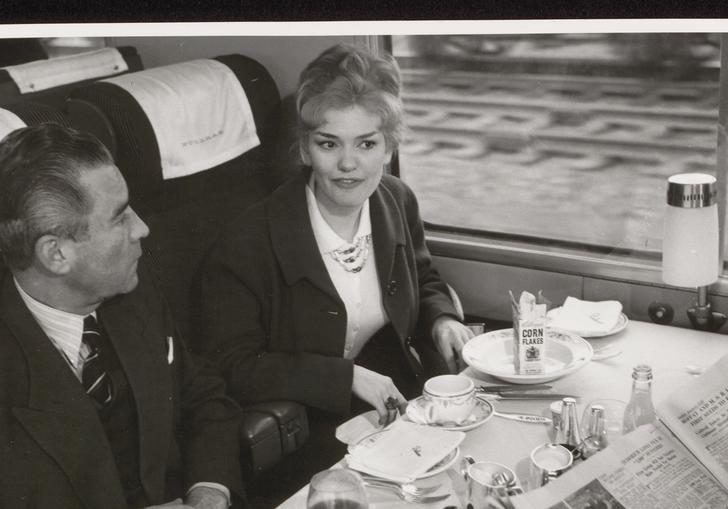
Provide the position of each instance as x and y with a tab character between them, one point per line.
139	228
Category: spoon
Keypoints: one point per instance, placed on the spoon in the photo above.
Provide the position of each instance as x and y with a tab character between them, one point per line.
529	418
606	352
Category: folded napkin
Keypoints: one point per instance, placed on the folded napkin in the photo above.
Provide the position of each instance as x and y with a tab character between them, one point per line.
584	317
403	451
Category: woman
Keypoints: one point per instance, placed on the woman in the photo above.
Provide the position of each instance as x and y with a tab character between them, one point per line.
324	293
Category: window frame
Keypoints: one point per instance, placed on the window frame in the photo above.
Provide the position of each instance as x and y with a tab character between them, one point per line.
572	258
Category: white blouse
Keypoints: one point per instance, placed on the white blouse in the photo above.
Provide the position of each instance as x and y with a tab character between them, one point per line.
360	291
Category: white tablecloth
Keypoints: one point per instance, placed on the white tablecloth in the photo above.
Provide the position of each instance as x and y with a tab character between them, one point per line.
672	352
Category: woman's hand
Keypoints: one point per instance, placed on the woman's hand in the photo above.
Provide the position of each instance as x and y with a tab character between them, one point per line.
450	336
376	389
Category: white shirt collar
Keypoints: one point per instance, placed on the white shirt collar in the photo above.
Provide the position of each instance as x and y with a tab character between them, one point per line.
326	238
64	329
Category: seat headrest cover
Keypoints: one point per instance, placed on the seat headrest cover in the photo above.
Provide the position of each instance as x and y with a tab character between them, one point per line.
9	121
199	112
54	72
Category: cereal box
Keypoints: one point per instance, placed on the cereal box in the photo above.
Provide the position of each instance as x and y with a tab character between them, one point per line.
529	334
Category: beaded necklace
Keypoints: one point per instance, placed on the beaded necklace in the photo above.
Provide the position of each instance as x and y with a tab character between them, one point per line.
352	257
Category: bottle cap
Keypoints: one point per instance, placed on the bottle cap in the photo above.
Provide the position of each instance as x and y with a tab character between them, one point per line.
691	190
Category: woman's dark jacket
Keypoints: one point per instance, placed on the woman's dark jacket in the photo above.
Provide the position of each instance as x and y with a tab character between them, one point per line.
273	320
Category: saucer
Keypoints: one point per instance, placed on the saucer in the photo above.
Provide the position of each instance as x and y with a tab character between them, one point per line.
482	412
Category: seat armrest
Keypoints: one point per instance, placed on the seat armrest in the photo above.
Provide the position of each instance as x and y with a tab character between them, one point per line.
269	431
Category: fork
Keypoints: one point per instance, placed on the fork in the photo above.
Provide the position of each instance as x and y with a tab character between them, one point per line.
374	478
606	352
406	494
405	487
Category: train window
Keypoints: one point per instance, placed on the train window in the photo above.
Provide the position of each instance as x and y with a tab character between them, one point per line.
61	46
561	139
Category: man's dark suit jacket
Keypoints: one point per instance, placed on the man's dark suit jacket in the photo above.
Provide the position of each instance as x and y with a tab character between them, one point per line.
53	450
273	318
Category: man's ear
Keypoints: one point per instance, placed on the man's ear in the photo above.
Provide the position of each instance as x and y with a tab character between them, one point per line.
54	253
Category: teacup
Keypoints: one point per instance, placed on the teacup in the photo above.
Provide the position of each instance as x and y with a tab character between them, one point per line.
448	399
548	461
487	479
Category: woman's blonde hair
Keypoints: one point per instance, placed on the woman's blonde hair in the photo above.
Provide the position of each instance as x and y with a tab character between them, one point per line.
344	76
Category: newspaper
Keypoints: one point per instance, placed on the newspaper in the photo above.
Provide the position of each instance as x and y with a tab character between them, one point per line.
698	415
677	463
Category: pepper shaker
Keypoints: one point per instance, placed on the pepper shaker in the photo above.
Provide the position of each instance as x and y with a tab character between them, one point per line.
568	434
596	438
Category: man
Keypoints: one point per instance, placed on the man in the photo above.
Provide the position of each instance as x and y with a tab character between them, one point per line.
101	405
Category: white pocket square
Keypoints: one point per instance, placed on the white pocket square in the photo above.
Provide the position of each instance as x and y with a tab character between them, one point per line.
170	349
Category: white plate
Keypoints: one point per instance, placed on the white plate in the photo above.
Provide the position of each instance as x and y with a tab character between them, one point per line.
492	353
443	465
482	412
621	324
437	468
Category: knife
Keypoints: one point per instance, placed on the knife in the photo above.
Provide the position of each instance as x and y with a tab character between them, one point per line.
527	395
504	388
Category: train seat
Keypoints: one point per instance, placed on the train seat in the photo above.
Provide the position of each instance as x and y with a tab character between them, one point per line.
50	80
20	114
185	213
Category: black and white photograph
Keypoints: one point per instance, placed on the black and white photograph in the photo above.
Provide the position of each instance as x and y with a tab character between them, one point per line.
362	261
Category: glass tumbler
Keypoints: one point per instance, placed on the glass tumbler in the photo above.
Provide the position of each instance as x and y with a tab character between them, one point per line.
338	488
613	416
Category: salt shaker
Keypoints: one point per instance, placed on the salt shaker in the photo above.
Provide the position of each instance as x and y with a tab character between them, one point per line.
569	434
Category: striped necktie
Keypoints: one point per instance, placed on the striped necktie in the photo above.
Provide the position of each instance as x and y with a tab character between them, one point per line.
94	377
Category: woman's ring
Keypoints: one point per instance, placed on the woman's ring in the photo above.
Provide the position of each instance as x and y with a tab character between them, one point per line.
391	403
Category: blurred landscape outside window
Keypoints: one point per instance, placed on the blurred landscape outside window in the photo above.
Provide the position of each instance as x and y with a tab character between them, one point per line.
559	137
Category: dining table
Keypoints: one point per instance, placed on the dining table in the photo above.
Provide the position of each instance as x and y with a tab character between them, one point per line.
676	355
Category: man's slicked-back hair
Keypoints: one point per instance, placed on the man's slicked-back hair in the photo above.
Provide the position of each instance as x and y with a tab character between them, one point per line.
344	76
40	189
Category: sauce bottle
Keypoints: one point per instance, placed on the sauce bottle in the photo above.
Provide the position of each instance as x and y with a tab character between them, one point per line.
640	409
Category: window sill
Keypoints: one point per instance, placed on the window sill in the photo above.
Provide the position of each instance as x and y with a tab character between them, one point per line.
613	267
